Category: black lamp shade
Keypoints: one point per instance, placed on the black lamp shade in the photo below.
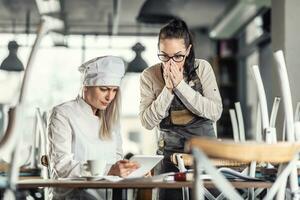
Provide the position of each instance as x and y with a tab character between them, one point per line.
12	62
138	64
159	11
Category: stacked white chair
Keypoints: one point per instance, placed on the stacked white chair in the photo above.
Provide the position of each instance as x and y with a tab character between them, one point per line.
201	147
288	110
9	144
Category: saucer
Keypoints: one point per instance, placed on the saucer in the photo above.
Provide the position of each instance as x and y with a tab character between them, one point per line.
93	178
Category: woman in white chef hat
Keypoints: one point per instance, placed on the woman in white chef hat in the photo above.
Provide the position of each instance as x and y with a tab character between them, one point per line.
88	127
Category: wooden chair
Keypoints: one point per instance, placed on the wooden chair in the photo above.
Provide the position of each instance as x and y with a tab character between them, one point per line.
188	161
204	148
9	143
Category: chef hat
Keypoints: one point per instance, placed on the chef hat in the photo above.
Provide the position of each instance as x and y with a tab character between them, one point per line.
103	71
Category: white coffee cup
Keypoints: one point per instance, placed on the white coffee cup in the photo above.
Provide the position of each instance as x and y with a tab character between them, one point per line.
96	167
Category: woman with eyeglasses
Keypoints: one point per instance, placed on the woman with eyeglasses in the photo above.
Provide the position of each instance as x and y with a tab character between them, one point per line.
179	96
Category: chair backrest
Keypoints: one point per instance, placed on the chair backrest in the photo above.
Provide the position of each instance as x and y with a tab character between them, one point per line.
240	120
9	143
273	116
270	133
297	112
43	145
286	94
258	128
215	128
288	109
274	111
234	124
188	161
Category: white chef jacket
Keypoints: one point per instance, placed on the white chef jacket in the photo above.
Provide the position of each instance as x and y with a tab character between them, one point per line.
73	132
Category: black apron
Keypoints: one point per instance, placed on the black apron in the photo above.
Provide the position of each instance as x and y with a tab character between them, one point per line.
177	128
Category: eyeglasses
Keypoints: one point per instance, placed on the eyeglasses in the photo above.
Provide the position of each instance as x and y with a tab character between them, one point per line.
166	58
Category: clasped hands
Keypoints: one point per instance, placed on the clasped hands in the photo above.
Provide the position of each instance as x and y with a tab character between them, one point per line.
172	75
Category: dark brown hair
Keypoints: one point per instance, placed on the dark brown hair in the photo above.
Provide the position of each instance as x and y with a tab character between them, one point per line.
178	29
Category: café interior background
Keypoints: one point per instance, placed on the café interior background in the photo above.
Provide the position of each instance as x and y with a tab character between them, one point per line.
231	34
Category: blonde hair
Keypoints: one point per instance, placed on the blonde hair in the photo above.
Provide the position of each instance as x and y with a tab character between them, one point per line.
110	117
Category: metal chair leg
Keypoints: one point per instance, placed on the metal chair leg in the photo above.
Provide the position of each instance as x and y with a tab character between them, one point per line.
219	180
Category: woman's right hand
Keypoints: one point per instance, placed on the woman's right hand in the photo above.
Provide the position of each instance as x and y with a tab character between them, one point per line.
123	168
167	77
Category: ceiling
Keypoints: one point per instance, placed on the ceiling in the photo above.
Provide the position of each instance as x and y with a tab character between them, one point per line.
96	16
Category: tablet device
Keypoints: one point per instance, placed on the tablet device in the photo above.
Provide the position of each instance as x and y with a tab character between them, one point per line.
146	163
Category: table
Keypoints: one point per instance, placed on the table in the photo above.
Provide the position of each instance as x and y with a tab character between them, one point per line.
142	183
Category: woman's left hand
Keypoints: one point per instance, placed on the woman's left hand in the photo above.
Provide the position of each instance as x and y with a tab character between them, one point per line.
176	74
123	168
